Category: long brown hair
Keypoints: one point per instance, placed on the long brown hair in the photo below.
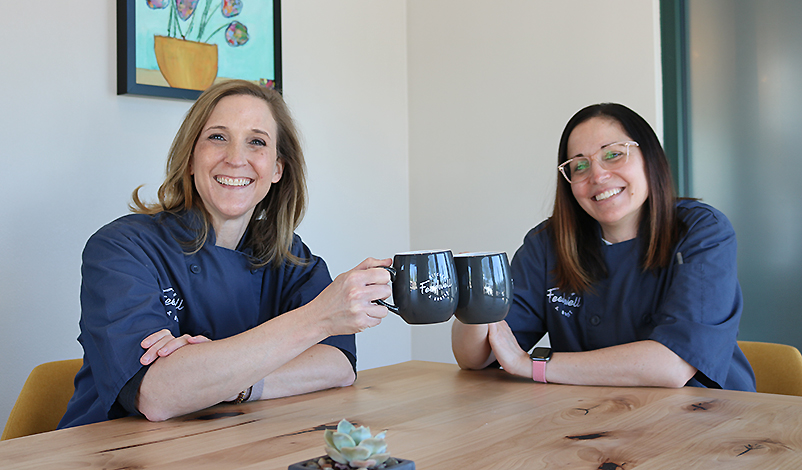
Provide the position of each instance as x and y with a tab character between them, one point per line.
575	234
275	218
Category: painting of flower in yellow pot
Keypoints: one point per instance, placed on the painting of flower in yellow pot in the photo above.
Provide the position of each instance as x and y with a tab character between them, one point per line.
178	48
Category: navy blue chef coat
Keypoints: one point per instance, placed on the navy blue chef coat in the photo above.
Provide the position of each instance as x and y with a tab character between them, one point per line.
692	307
137	279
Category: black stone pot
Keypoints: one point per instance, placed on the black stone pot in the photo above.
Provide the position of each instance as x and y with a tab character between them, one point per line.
402	465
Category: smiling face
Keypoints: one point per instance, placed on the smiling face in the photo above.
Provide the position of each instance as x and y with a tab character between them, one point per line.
614	198
234	162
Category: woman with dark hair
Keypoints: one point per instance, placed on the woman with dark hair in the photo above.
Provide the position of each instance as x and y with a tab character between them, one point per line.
634	286
208	295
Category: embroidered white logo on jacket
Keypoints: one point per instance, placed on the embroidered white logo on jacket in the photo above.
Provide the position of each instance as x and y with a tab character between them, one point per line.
572	300
172	303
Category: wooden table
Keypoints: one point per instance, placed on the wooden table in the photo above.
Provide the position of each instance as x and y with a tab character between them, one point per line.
445	418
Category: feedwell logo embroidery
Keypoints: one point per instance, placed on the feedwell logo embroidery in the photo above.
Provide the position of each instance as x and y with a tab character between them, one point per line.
172	303
563	303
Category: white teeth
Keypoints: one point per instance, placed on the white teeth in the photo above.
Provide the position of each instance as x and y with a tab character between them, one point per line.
607	194
233	181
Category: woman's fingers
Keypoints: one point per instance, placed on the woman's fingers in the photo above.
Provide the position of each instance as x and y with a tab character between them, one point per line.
155	338
155	341
347	304
163	343
173	345
506	349
369	263
177	343
197	339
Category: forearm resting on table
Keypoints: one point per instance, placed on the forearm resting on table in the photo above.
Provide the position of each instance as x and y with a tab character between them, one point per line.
318	368
201	375
642	363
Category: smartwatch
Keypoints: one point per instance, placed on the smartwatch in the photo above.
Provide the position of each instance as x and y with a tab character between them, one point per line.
540	356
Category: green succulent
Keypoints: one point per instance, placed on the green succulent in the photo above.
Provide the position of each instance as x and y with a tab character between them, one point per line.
355	447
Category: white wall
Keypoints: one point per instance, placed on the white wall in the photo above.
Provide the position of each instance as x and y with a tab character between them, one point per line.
416	116
345	80
490	90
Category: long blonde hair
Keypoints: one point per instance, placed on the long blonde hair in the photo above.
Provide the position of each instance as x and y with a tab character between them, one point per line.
275	218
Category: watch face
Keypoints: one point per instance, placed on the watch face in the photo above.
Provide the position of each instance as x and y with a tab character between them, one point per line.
541	354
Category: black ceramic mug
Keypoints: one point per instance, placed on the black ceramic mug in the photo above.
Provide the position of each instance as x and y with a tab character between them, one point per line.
485	287
424	286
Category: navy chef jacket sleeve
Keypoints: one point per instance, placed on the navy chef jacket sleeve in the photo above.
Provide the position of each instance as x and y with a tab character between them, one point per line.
701	309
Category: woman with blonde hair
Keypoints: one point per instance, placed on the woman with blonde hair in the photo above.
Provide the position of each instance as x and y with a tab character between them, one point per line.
634	286
208	295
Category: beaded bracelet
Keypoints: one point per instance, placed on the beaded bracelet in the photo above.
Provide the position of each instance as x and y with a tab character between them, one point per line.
243	396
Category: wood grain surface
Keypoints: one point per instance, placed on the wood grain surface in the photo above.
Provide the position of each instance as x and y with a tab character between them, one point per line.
445	418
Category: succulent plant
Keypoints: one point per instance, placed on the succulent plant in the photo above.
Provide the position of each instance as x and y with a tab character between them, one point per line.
356	447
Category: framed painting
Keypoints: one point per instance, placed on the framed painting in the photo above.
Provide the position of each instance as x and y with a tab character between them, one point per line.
178	48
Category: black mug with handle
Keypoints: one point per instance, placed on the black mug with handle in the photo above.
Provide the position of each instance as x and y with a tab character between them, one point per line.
425	286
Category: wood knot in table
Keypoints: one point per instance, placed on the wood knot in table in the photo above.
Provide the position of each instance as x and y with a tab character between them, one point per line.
703	406
587	437
753	448
610	466
611	405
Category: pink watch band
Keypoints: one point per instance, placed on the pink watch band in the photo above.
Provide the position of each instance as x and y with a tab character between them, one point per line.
539	371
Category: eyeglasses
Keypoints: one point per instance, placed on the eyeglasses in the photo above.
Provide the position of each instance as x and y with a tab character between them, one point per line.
610	157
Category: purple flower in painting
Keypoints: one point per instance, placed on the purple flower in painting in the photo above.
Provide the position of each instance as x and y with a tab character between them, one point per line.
236	34
185	8
231	8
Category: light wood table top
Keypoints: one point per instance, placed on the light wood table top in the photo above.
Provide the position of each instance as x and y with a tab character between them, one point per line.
445	418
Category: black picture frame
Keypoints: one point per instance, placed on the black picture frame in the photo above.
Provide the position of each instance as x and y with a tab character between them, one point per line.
126	56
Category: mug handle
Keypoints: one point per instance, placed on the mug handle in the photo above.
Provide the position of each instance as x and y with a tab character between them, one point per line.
381	302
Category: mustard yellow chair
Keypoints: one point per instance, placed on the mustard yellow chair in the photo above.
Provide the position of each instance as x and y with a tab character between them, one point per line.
43	399
778	367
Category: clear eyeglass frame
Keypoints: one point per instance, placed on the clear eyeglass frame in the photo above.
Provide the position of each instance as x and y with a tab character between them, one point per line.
606	164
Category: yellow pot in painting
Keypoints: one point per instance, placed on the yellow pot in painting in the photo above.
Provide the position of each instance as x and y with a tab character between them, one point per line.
186	64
